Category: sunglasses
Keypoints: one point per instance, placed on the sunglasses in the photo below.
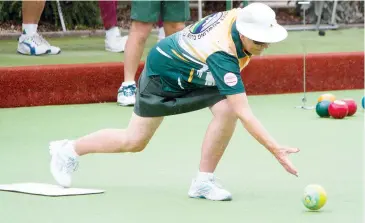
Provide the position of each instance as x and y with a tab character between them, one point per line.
258	43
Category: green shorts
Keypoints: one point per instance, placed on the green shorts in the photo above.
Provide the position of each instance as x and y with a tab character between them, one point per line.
170	11
153	101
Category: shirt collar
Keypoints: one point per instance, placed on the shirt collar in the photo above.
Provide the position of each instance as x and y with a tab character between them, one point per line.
238	43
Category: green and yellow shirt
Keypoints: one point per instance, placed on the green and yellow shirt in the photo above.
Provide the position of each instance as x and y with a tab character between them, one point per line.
208	53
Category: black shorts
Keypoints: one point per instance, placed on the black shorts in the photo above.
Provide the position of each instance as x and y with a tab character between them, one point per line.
153	101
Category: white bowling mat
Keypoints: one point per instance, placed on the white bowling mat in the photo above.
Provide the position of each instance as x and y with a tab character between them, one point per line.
47	189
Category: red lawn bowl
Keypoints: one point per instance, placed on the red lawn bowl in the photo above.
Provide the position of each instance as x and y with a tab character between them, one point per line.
338	109
352	106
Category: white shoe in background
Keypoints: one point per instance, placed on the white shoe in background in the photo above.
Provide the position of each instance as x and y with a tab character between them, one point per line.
161	34
35	45
127	94
115	44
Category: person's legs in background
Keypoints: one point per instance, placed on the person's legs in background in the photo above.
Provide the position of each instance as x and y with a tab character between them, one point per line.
114	42
144	14
137	37
174	15
30	42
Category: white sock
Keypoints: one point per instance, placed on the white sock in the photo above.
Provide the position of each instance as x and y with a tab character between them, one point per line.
30	29
71	148
128	83
112	32
204	176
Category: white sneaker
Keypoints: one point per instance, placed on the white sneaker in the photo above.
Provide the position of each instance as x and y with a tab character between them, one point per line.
127	94
53	50
32	45
35	45
63	161
205	186
115	44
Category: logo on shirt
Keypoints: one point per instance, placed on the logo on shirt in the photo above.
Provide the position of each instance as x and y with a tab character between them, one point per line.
230	79
206	23
203	27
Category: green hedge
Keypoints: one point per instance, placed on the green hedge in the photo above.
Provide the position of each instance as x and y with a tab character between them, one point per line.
75	13
10	11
